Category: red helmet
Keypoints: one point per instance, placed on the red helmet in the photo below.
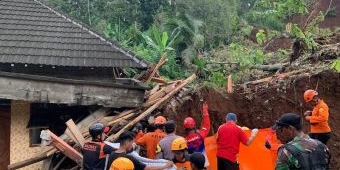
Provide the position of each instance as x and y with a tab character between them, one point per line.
189	123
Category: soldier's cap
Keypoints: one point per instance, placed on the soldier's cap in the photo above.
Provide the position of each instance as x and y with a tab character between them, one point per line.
288	119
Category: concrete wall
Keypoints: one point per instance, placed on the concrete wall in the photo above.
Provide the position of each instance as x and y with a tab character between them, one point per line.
20	150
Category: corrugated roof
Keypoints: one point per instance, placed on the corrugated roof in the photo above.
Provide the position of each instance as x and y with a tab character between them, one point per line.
33	33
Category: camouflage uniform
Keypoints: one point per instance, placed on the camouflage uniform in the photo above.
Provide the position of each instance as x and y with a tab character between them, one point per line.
286	161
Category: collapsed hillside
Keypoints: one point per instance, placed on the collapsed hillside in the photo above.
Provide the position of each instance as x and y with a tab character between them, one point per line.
259	103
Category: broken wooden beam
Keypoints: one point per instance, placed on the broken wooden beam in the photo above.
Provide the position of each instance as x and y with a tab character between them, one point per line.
37	158
27	162
65	148
159	64
152	108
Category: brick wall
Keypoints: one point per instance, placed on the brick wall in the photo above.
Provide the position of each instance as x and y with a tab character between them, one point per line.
20	150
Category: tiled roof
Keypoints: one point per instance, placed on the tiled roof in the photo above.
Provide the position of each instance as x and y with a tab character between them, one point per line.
33	33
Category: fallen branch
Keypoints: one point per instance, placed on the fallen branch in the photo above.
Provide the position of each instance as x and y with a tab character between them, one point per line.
272	67
152	108
275	77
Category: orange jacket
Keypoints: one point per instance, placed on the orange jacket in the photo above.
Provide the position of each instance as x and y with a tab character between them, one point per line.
319	118
186	165
150	141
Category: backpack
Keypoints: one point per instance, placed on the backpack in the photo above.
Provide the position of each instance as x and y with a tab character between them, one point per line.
317	159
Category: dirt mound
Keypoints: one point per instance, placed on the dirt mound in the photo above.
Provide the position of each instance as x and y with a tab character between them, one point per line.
260	106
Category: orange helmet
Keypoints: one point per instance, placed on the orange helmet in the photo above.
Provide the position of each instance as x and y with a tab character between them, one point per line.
122	163
160	120
179	144
309	95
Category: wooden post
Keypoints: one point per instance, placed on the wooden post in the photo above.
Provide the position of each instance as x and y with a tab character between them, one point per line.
152	108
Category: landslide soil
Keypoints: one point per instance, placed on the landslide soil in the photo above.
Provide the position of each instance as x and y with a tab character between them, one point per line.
331	22
261	106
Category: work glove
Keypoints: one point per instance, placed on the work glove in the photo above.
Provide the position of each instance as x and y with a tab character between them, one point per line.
254	132
267	145
205	109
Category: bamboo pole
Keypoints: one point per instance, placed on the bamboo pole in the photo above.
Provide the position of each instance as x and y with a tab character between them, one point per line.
152	108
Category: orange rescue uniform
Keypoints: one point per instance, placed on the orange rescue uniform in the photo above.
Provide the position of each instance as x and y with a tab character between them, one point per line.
319	118
150	141
186	165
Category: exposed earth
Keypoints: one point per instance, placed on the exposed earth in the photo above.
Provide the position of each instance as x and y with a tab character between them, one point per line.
259	105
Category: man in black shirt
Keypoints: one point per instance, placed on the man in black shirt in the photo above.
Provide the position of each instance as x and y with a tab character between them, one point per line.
126	146
95	151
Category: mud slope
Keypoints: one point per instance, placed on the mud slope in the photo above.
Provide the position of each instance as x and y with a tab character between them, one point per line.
317	6
261	106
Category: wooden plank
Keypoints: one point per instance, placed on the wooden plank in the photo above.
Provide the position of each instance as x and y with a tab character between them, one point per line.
65	148
83	125
70	135
72	127
152	108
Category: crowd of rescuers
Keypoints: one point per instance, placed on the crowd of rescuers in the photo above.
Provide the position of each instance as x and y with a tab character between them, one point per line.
295	149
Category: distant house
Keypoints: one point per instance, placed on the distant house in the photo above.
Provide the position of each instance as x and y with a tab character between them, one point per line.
53	68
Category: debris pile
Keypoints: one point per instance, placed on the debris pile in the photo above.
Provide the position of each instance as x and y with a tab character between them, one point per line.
75	135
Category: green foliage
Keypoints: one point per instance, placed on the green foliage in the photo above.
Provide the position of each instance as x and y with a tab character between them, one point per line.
217	79
336	65
272	13
260	37
219	16
307	36
159	41
246	56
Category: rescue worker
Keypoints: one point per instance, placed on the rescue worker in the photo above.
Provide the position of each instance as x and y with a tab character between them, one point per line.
195	138
122	163
318	118
299	152
126	146
197	161
95	151
151	139
164	145
229	137
181	157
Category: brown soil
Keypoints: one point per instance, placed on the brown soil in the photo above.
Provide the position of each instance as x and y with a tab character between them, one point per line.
260	106
302	20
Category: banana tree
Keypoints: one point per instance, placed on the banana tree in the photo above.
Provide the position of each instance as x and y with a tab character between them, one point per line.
160	41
